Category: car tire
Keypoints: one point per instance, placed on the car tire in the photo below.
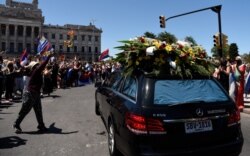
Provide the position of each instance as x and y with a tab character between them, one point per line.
111	140
97	110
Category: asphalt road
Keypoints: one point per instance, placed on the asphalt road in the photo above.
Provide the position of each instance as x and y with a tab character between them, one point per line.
74	129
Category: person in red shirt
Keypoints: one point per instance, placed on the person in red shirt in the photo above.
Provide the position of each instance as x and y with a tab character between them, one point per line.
31	98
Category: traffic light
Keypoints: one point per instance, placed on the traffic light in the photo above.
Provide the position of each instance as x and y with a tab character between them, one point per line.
162	21
216	40
224	40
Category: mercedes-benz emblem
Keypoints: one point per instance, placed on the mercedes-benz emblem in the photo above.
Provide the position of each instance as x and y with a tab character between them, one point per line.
199	112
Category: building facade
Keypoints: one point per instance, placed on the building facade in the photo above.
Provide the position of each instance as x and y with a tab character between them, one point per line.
21	24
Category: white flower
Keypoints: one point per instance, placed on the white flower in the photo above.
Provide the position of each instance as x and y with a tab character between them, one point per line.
184	43
150	50
172	64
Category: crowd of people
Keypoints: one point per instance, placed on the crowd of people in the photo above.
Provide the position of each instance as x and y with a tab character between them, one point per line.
40	76
57	74
234	77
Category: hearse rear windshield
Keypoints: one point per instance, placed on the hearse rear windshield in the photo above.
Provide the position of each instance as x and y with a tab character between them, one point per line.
168	92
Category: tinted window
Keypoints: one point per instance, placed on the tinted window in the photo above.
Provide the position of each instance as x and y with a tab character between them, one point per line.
182	91
116	84
112	79
130	87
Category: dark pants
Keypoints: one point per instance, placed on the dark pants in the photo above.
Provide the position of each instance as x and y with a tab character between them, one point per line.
31	100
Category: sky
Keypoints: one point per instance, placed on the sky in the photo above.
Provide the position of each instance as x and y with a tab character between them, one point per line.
125	19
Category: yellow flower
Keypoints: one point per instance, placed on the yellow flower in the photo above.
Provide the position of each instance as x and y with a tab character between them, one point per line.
156	44
168	48
190	50
137	63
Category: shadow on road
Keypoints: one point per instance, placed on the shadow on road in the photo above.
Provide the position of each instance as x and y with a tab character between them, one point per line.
11	141
51	130
51	96
55	96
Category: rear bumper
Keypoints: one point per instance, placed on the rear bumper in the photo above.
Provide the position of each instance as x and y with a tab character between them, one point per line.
229	149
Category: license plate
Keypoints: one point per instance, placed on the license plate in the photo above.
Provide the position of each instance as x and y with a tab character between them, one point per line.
198	126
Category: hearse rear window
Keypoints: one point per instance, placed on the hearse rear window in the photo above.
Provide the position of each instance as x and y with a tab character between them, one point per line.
169	92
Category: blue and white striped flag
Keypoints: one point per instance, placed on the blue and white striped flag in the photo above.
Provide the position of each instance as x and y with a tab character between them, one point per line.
43	46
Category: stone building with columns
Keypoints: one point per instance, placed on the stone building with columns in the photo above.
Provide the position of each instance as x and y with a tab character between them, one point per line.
21	23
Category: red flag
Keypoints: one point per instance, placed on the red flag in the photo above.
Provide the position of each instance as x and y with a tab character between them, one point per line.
104	54
24	58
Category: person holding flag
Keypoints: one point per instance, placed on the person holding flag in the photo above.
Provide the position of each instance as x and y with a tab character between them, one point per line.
31	98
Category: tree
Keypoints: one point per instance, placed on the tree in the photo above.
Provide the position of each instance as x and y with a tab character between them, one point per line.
167	37
191	40
246	57
214	52
149	35
233	51
225	52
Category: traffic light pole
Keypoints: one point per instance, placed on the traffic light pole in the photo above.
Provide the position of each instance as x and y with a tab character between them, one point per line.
220	33
216	9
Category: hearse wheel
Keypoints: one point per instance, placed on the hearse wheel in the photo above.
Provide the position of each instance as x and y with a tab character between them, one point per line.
111	140
97	110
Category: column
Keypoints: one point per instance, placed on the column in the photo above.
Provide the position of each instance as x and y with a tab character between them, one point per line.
32	39
15	39
7	42
93	54
24	37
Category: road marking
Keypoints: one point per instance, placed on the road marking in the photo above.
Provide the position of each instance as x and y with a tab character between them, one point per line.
96	144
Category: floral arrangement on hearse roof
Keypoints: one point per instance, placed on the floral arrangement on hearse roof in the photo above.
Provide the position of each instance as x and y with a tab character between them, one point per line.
156	57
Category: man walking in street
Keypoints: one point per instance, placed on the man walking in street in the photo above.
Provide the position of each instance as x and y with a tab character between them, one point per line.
31	98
